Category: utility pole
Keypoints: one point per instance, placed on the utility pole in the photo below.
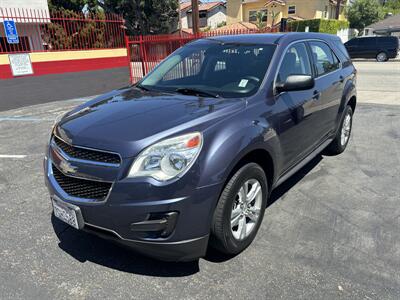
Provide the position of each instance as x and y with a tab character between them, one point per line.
195	16
180	18
338	3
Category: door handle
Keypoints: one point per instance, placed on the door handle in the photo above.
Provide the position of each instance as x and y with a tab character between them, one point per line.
316	95
341	79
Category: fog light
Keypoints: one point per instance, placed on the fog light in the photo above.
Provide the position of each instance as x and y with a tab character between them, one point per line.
161	223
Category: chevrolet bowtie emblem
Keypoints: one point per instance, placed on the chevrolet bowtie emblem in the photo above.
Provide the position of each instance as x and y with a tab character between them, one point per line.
66	167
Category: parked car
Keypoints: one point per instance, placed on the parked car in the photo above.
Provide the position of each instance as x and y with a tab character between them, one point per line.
382	48
188	156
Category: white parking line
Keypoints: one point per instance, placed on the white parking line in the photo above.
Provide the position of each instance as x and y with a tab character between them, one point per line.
12	156
24	119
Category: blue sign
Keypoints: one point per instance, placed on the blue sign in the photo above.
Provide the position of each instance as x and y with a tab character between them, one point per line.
11	32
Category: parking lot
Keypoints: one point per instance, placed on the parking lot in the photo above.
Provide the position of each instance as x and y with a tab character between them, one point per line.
332	231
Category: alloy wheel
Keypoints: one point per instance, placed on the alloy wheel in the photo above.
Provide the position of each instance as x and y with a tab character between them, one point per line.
246	209
346	129
381	57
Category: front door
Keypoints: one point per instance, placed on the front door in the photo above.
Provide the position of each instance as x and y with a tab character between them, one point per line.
298	130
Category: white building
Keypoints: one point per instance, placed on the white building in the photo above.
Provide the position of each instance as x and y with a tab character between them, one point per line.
211	14
27	15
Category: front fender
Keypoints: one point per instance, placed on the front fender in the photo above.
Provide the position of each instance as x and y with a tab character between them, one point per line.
228	142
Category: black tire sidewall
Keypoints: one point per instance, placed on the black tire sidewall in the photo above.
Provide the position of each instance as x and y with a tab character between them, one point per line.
247	172
347	110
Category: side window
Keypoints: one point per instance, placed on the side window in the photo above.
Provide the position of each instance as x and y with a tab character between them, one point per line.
325	60
353	42
362	42
295	62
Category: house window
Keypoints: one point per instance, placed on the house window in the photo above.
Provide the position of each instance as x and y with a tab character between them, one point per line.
292	9
253	15
326	12
202	14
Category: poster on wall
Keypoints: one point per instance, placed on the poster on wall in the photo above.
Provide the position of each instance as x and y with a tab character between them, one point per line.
20	64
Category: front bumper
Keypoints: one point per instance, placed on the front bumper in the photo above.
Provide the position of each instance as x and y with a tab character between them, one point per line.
186	250
132	202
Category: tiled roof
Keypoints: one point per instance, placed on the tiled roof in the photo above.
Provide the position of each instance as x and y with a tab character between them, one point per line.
237	26
210	5
186	5
389	22
202	6
280	2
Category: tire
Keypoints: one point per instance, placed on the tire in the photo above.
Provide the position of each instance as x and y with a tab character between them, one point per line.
229	239
343	134
381	57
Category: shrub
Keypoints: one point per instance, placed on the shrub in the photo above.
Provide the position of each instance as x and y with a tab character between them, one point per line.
318	25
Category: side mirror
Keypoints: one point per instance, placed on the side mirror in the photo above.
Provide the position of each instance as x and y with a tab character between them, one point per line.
295	83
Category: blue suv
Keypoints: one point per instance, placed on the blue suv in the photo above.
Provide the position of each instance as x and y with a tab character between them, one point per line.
188	157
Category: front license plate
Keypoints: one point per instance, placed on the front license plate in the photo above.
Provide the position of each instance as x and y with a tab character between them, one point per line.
68	213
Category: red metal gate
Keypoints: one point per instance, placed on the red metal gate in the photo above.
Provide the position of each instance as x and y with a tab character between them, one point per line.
145	52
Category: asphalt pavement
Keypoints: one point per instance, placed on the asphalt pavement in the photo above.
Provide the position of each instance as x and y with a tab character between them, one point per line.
332	231
32	90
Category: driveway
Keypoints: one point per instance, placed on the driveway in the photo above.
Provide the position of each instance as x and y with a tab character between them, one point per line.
332	231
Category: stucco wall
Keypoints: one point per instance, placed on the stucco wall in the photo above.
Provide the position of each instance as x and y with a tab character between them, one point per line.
25	4
216	16
233	11
31	31
306	9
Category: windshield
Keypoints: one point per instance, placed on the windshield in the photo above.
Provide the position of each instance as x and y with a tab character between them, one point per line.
212	67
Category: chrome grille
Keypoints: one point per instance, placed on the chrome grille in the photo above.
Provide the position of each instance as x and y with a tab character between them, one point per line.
87	154
81	188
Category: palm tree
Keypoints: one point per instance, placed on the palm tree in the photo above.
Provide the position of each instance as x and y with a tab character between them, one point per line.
274	15
260	20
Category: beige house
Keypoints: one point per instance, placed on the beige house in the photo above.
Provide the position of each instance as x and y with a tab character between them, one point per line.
211	14
275	10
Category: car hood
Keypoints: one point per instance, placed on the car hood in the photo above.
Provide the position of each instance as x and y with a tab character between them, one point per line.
128	120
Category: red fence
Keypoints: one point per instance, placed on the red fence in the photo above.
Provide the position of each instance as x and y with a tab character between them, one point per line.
41	30
145	52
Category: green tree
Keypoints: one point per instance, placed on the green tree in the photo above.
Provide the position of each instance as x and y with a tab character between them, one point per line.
145	16
274	16
363	13
392	6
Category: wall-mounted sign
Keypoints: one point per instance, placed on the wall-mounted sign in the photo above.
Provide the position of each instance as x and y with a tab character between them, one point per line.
20	64
11	31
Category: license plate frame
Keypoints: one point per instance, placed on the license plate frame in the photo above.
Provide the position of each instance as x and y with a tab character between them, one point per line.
68	213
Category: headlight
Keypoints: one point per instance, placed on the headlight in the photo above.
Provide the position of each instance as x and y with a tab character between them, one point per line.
169	158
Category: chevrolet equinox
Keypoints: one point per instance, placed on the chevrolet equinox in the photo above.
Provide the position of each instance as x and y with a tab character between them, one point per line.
188	156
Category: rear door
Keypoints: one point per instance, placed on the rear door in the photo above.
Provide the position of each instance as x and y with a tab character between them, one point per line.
367	47
329	84
389	45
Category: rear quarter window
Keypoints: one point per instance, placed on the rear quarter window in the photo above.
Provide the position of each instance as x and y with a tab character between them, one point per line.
388	41
342	53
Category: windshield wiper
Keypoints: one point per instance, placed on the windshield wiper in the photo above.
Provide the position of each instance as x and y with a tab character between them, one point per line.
196	92
139	86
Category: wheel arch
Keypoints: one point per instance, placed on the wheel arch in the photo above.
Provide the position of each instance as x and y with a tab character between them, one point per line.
352	102
259	156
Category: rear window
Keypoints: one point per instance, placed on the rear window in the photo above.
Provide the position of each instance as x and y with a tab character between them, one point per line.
391	40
